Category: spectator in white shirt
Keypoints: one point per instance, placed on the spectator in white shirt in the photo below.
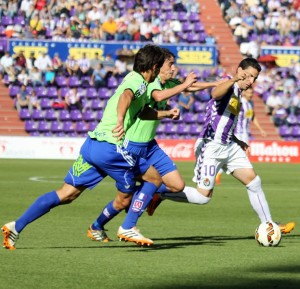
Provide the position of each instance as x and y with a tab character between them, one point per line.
5	63
43	62
84	66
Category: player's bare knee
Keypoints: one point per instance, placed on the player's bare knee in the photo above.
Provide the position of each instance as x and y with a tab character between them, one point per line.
152	176
176	187
122	201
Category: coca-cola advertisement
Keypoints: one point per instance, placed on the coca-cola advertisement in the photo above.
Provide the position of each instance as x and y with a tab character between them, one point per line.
261	151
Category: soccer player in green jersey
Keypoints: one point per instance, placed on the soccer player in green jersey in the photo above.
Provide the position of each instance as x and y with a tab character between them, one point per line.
140	140
102	153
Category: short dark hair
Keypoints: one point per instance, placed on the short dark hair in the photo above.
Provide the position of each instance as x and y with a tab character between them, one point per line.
147	57
167	53
249	61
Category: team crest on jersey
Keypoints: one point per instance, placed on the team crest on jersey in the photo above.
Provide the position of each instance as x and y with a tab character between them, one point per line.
249	114
142	88
234	105
206	182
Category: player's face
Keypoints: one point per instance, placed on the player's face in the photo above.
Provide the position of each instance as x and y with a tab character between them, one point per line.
167	70
252	74
154	72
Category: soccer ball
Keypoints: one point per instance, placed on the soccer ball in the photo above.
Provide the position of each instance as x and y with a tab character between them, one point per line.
268	234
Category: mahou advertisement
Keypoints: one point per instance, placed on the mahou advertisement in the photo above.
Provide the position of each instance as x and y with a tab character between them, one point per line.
178	150
261	151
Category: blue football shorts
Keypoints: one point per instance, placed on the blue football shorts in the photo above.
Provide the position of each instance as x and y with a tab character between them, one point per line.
154	155
100	159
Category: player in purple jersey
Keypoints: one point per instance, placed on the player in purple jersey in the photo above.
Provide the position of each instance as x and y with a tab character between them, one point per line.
217	147
246	116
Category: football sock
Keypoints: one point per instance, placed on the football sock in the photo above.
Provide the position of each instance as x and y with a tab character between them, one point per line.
139	203
40	207
106	215
258	200
163	189
189	195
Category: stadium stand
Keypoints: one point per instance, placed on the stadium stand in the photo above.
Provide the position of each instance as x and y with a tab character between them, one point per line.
172	22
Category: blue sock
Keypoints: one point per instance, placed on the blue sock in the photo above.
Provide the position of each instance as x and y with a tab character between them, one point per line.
106	215
163	189
39	208
139	203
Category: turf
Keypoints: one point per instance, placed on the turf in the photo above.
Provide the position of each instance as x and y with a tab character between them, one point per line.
208	246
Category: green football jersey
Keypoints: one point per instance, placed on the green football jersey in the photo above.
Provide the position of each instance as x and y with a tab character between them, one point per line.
145	130
137	84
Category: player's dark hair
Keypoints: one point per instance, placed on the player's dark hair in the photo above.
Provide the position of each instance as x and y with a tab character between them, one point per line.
249	61
147	57
167	53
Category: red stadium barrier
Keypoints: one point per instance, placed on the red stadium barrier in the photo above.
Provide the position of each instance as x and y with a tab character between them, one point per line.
261	151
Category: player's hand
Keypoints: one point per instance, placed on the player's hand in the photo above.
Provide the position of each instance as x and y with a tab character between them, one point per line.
263	133
118	131
174	113
245	147
241	75
190	79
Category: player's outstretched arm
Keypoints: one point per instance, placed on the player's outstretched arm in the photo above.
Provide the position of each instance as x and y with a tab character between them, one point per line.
148	113
257	124
196	86
159	95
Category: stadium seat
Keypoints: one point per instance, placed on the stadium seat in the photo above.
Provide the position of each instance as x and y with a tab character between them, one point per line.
284	131
61	81
37	114
41	91
189	117
43	126
76	115
64	115
201	118
7	20
63	91
30	126
88	115
14	90
96	104
81	127
194	130
170	128
92	125
91	93
50	115
68	127
182	129
99	115
52	92
24	114
19	20
56	127
112	82
45	103
104	93
295	131
74	81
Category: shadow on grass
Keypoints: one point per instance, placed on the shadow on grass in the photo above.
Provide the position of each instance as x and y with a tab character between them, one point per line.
162	243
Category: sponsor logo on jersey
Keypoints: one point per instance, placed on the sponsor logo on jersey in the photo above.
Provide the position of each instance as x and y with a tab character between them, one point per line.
137	205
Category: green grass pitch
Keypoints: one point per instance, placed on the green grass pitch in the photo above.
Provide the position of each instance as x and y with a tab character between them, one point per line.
209	246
